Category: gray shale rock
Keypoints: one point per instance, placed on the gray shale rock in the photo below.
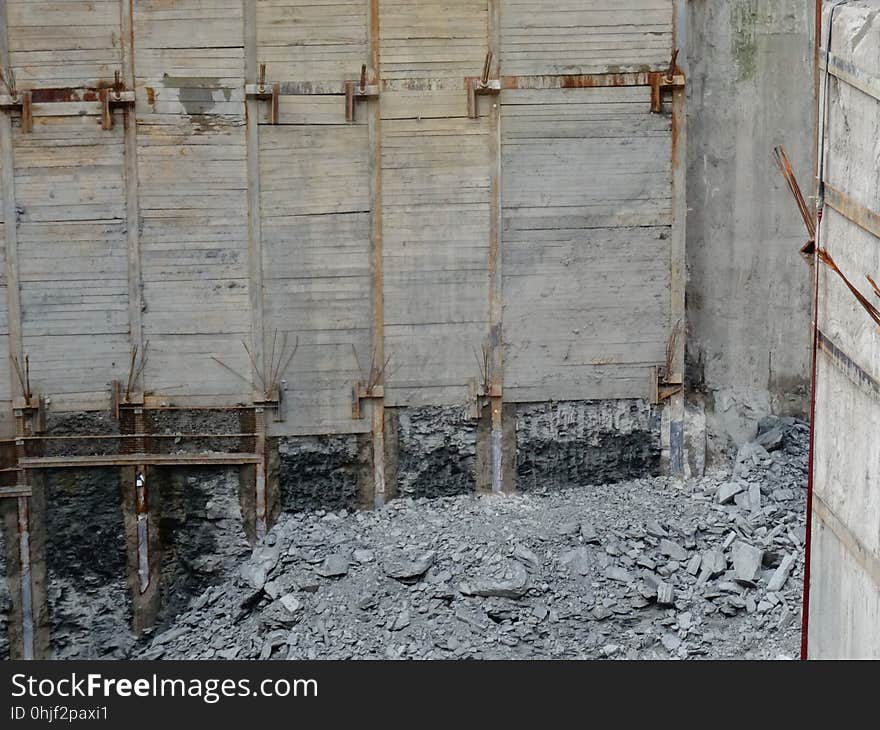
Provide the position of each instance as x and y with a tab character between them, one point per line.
512	582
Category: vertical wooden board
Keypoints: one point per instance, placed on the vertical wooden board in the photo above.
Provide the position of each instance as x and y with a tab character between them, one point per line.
5	374
436	248
72	255
189	65
315	208
425	39
322	42
586	205
436	199
72	43
548	37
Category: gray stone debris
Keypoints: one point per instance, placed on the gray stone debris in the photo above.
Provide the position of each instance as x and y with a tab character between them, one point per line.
589	534
579	561
746	561
673	550
653	568
780	577
409	571
613	572
729	490
665	594
333	566
512	582
253	575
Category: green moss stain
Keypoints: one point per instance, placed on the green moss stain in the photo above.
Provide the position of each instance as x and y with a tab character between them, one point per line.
743	22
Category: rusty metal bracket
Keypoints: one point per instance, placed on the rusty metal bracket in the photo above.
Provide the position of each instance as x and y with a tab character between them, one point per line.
67	102
661	81
480	397
482	86
119	400
31	411
356	91
663	388
265	91
272	401
23	102
359	393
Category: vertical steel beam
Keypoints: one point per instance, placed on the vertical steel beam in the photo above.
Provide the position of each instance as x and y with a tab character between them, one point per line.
132	208
142	516
377	405
678	268
496	344
27	594
260	508
255	235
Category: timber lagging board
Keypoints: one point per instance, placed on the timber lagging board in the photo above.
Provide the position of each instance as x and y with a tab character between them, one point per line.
546	228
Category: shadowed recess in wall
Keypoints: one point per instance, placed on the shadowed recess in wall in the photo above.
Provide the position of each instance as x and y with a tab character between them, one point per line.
437	452
319	472
201	533
89	605
568	444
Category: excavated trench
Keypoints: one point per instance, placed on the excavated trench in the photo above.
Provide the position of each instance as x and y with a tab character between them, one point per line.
201	529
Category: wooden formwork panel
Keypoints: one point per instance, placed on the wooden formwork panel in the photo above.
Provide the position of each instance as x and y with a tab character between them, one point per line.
315	186
421	39
208	233
540	37
844	591
63	44
587	216
320	42
192	183
72	256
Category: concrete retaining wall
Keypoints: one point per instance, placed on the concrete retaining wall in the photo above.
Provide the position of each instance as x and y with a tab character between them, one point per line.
844	611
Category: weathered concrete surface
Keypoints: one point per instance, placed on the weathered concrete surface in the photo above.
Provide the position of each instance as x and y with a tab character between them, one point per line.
561	444
844	616
750	88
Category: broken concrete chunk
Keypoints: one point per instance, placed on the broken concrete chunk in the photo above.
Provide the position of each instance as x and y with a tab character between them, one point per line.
512	582
613	572
755	498
589	534
673	550
363	556
266	556
578	561
333	566
253	575
780	577
746	562
771	440
670	642
291	603
655	529
665	594
409	571
714	562
527	557
693	566
727	491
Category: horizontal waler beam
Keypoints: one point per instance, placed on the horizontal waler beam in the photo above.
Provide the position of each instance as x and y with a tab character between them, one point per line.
591	81
79	462
850	74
